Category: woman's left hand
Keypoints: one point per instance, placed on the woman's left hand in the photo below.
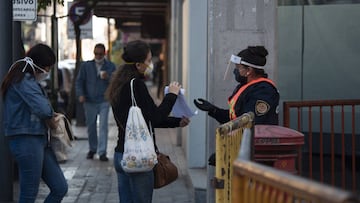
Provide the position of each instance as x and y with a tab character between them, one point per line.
52	123
184	122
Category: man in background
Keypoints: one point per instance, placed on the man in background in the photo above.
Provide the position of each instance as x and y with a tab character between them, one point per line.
91	84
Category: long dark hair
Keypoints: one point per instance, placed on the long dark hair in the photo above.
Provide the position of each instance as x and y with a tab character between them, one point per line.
40	55
134	52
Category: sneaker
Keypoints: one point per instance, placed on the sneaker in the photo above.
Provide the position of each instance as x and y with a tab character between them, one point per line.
90	155
103	158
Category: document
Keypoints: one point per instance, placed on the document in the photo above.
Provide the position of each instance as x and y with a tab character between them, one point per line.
181	108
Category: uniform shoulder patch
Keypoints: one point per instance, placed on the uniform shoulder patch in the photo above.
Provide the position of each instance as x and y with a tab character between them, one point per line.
261	107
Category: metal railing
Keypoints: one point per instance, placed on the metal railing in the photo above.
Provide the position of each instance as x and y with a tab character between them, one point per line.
256	183
228	139
330	132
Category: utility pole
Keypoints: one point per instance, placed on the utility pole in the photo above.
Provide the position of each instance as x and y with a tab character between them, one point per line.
109	40
6	165
54	44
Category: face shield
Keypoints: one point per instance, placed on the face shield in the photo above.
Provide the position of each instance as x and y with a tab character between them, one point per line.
233	59
238	60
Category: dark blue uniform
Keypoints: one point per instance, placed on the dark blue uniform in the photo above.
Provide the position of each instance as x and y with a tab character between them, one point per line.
262	98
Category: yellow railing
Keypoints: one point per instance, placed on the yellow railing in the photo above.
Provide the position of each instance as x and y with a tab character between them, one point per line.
240	180
256	183
228	139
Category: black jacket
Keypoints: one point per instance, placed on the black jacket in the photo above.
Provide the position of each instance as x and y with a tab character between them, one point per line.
157	115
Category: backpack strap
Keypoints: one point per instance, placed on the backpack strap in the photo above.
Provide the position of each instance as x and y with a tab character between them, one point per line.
133	101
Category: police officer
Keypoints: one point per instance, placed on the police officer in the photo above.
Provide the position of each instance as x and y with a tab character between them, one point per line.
255	93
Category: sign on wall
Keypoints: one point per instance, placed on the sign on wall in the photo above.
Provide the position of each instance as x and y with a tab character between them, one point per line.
24	10
76	9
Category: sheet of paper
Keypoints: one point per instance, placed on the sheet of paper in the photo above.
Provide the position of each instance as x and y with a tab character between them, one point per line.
181	108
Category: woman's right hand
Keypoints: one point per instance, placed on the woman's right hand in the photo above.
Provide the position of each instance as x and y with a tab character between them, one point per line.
174	87
184	122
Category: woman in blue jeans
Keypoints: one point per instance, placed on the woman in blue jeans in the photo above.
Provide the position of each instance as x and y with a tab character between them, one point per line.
27	117
138	187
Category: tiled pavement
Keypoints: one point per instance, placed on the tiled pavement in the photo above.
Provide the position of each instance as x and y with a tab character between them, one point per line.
93	181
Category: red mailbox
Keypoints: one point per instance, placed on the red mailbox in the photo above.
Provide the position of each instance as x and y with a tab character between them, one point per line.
279	147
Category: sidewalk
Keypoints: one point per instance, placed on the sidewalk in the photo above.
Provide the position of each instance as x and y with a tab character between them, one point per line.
93	181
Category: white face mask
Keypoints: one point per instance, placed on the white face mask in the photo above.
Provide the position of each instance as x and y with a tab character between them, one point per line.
149	69
99	61
29	62
42	76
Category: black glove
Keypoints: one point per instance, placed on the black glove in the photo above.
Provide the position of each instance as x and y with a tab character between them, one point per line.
212	160
204	105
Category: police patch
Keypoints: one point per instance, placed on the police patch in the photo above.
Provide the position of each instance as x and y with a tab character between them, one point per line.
261	107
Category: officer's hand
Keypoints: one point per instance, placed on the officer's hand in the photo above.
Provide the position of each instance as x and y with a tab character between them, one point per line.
204	105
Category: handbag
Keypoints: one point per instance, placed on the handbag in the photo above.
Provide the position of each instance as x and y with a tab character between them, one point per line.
165	171
139	151
62	131
61	137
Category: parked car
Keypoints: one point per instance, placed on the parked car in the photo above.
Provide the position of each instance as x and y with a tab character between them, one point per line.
66	70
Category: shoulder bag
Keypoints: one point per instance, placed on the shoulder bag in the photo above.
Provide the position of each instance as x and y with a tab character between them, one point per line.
165	171
62	130
61	137
139	151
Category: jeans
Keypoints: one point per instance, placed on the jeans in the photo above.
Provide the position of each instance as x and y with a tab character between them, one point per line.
37	160
91	112
133	187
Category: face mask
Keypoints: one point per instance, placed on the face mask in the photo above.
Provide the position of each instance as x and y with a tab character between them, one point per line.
30	64
42	76
99	61
149	69
240	79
